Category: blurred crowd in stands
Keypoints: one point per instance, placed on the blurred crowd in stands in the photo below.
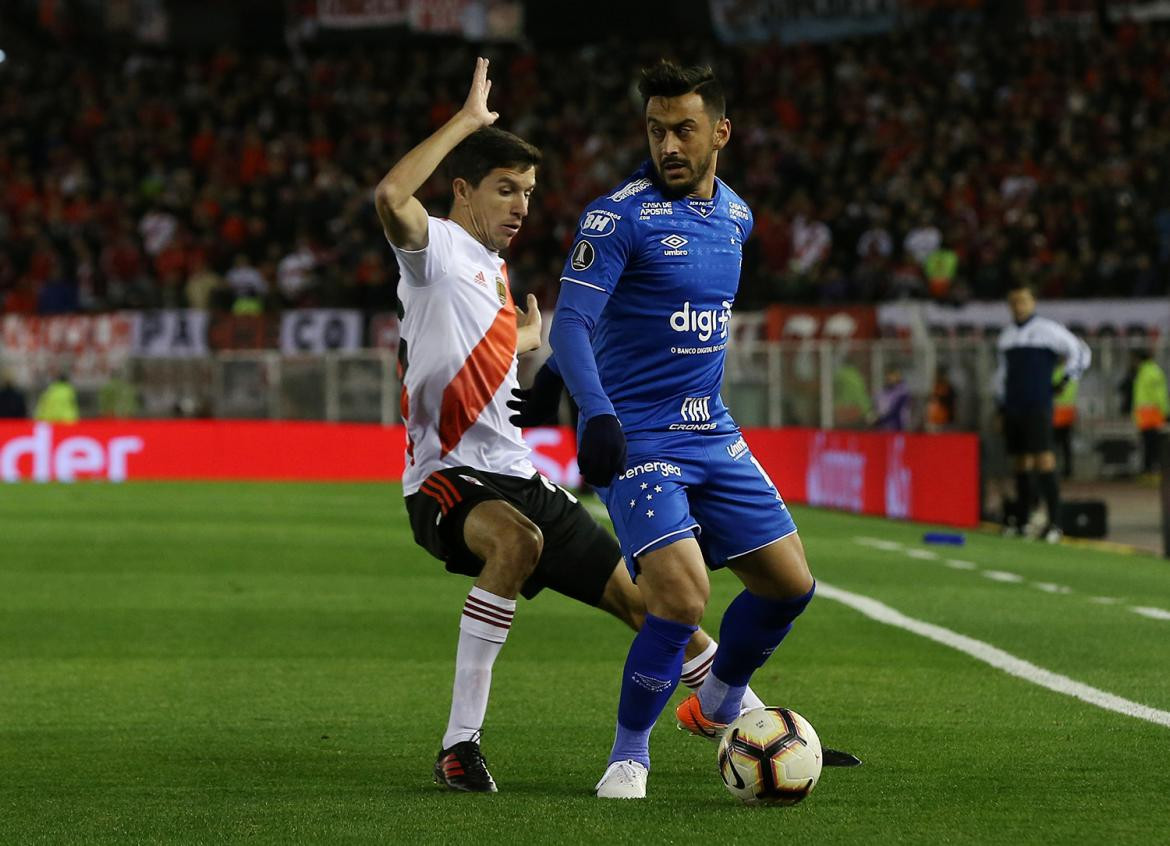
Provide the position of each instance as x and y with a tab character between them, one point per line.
931	163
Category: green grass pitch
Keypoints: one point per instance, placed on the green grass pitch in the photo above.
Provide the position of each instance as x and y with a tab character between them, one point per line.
209	663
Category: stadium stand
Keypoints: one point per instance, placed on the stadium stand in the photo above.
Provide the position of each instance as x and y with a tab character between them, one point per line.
930	163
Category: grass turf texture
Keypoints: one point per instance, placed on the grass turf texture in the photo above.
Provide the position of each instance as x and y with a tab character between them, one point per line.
204	663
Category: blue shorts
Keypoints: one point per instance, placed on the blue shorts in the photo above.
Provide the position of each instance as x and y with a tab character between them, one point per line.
708	487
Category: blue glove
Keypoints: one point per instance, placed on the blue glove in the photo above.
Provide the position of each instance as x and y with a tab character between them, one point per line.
602	452
538	405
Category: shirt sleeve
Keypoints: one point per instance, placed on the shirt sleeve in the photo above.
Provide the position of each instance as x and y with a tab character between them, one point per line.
1076	353
601	249
421	268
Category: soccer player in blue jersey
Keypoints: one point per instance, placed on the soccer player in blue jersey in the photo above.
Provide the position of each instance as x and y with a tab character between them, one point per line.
639	337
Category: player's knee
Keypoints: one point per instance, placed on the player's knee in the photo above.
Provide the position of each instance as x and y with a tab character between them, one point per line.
518	545
683	607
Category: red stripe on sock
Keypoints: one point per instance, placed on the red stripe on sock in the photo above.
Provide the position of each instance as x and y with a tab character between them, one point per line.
488	620
489	609
699	672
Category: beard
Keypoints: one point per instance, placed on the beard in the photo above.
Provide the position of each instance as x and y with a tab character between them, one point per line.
698	174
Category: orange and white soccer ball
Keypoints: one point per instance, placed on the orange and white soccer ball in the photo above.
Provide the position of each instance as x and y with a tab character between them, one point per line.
770	756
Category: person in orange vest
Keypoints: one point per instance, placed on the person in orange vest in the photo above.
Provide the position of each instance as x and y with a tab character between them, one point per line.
1150	406
940	407
1064	415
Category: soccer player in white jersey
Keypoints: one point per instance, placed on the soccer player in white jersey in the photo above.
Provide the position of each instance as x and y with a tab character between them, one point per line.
475	500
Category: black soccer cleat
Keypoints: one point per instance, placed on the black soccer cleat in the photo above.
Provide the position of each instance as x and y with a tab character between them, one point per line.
837	758
462	767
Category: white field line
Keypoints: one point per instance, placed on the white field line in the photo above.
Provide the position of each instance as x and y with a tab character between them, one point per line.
956	564
1002	576
995	657
1154	613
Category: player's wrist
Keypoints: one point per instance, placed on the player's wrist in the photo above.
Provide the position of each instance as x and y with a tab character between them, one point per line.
468	121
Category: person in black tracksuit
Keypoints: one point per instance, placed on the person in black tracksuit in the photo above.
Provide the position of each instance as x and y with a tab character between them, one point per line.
1029	350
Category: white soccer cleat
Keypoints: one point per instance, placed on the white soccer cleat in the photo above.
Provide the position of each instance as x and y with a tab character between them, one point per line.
623	780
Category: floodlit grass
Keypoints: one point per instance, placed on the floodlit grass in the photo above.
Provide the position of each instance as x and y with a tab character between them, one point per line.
203	663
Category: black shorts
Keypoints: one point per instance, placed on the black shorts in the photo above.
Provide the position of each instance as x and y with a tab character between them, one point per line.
1027	432
578	557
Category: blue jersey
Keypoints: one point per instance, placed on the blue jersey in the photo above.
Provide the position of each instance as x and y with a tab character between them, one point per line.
653	279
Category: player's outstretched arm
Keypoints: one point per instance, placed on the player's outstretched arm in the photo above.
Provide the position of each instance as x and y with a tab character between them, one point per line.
402	215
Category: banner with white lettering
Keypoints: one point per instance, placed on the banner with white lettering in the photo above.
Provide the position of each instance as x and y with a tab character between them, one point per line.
320	330
171	333
88	348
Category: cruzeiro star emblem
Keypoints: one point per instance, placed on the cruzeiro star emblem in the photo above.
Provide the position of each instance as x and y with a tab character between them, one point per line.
644	486
650	513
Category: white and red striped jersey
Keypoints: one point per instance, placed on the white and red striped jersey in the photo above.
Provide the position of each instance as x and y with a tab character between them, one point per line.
459	363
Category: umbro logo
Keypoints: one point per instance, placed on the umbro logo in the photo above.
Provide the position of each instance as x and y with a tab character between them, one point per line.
674	244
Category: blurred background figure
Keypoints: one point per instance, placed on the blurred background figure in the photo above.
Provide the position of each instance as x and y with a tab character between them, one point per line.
12	404
892	412
1150	405
118	398
851	403
58	402
1064	417
940	405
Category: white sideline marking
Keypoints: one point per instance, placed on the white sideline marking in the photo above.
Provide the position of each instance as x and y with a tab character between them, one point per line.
922	554
1104	600
1153	613
1003	576
879	543
1051	587
956	564
994	656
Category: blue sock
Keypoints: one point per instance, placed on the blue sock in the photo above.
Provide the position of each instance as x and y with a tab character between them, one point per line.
751	629
649	678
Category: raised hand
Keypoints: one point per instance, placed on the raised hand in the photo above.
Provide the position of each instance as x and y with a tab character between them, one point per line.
476	106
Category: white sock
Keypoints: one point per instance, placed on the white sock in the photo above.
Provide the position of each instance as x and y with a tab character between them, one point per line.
483	628
695	671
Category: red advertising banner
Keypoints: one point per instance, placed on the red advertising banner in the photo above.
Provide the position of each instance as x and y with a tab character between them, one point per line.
931	478
118	450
